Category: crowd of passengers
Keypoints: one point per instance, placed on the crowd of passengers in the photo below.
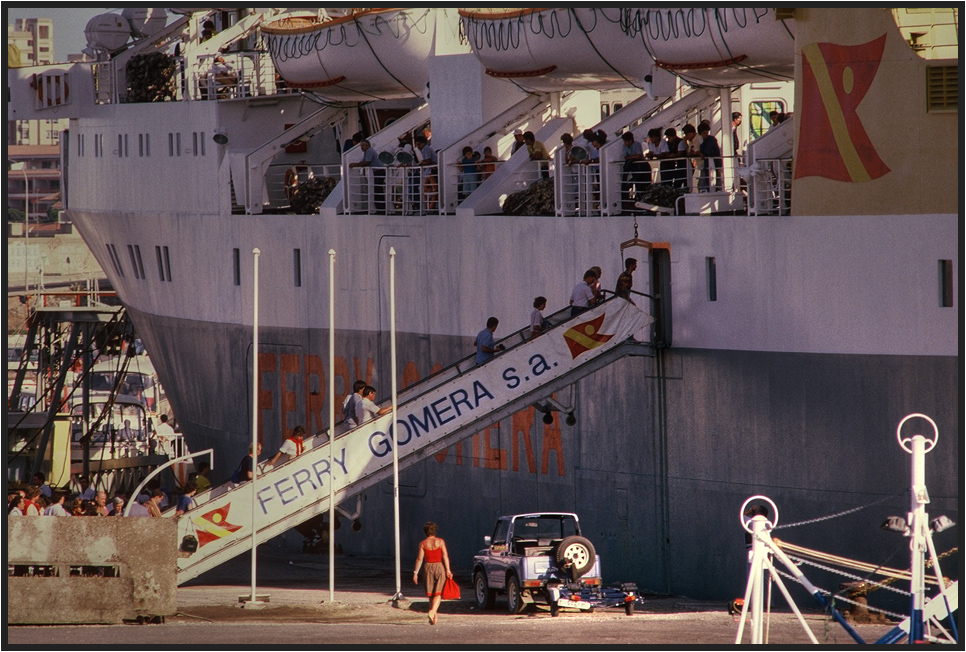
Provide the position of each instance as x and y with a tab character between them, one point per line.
40	499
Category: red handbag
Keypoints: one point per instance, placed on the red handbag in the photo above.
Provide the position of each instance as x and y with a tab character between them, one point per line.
451	590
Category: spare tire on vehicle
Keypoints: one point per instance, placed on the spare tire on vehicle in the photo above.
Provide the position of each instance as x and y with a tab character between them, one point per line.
578	551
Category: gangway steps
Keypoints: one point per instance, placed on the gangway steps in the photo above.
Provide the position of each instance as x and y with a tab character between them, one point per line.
431	415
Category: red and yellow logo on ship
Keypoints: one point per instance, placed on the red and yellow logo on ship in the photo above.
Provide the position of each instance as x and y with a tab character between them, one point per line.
586	336
214	525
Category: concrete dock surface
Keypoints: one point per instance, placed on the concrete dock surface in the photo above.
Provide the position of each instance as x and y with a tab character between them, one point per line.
299	613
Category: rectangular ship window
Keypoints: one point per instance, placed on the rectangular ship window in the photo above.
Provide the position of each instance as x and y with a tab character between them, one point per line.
202	143
137	255
298	268
946	283
236	264
194	143
170	144
115	260
134	262
712	279
167	264
157	253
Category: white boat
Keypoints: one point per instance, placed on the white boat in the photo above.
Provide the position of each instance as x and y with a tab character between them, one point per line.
809	317
360	55
553	48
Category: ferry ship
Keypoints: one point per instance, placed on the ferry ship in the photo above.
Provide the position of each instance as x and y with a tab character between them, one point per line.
814	290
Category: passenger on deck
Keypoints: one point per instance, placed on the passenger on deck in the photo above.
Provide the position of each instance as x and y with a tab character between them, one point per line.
154	503
370	159
187	499
138	508
488	163
427	158
626	279
163	438
100	503
636	172
537	323
87	491
486	348
366	408
56	506
40	481
538	152
292	447
207	30
598	292
244	473
349	404
582	298
693	153
517	141
656	148
117	505
201	479
711	155
15	505
469	172
674	169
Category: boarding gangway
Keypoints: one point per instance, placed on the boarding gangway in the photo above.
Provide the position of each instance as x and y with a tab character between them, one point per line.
441	410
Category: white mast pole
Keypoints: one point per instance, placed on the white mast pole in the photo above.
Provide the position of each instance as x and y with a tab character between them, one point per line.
395	440
331	423
255	253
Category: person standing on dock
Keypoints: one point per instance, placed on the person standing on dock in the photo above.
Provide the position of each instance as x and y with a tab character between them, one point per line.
292	447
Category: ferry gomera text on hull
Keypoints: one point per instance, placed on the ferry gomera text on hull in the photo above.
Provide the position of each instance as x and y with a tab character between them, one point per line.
814	297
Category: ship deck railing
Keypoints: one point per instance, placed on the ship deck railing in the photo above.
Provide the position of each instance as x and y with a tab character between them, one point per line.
393	190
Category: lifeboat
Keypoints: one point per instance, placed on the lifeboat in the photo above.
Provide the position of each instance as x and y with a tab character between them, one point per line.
716	47
546	49
362	55
555	48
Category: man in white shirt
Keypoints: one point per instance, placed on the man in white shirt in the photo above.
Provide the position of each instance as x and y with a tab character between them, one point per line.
366	409
583	297
164	436
350	402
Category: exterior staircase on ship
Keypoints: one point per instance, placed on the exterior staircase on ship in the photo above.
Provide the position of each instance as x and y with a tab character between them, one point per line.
443	409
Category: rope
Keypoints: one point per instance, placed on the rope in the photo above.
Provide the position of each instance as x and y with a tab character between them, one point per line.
850	576
893	574
845	513
838	598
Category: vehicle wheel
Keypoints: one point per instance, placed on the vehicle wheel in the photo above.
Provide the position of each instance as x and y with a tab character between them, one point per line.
514	598
554	610
629	608
481	590
578	551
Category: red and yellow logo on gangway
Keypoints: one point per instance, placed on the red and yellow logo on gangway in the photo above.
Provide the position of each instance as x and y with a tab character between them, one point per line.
214	525
586	336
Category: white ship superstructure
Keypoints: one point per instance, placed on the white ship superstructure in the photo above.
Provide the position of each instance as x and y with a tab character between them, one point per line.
813	297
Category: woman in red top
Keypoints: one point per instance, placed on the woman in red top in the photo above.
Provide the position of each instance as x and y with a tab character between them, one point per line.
432	551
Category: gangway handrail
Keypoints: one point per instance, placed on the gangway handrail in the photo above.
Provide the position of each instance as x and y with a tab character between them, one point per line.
137	492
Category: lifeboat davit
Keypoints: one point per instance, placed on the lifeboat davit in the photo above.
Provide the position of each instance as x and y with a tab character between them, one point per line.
549	49
363	55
